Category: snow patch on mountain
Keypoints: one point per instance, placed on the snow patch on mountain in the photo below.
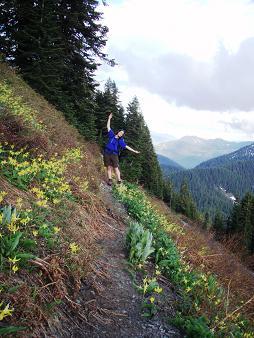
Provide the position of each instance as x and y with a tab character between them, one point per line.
227	194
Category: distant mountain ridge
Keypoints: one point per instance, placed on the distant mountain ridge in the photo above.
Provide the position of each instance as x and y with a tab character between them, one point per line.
243	154
233	173
190	151
161	137
167	161
168	166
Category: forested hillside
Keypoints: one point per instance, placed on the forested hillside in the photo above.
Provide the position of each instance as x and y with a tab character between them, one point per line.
233	172
243	154
79	257
189	151
57	46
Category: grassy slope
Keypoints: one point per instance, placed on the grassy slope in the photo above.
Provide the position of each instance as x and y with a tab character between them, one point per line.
216	290
55	275
204	254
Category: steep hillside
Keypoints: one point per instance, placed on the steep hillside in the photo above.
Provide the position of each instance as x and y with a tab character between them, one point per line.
243	154
205	185
63	243
189	151
51	213
232	173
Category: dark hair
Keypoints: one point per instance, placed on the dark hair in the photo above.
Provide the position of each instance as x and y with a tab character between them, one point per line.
119	131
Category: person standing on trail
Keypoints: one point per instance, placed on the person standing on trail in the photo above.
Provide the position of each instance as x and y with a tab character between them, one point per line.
111	151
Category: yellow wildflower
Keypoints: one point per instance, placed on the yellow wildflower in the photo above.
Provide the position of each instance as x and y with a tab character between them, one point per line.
6	311
19	203
158	289
15	268
25	220
56	201
145	287
42	203
152	299
56	230
13	228
157	272
35	233
74	247
217	302
2	195
13	260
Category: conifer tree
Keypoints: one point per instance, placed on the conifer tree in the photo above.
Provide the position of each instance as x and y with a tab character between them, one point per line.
245	223
241	221
108	101
233	223
251	238
144	168
168	192
132	164
206	221
218	225
55	44
185	203
151	171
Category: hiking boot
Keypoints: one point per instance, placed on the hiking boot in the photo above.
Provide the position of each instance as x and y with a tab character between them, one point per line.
109	182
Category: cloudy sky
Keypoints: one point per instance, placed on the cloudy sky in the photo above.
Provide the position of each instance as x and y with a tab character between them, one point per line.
189	62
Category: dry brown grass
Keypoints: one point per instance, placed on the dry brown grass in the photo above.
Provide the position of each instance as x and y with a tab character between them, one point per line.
57	275
205	254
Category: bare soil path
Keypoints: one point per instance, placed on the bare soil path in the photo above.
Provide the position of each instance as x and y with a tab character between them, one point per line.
111	302
118	303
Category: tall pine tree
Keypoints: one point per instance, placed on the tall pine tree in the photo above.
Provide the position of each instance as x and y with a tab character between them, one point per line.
55	44
184	203
241	221
143	168
108	101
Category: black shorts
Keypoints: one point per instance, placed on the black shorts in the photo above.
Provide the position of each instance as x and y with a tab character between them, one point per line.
111	160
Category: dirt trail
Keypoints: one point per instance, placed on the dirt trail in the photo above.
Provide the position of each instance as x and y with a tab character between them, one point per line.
117	305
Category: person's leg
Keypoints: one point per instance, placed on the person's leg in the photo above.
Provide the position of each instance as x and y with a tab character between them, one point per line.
118	174
115	161
109	172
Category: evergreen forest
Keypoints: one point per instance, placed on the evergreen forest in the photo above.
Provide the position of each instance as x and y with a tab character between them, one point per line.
57	46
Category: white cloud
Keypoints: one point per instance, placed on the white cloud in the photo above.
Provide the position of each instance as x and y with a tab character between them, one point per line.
195	28
212	69
225	84
244	124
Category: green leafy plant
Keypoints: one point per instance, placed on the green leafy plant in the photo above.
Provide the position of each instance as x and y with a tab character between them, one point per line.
139	242
10	236
149	307
149	288
194	327
204	301
4	331
149	285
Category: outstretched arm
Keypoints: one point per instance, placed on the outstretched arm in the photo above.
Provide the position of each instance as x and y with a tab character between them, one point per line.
134	151
108	123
